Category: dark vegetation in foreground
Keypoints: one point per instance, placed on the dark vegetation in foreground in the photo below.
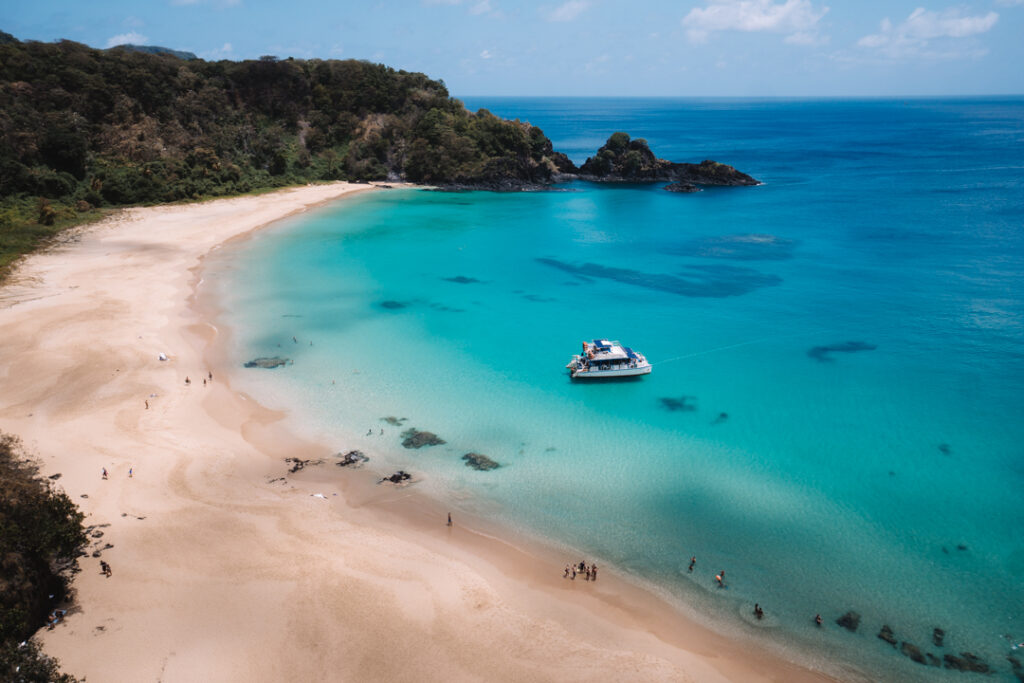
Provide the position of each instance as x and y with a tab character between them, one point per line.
41	536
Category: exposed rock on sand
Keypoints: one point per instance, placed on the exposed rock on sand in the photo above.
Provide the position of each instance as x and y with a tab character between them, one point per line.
850	621
298	464
353	458
268	363
480	462
414	438
397	478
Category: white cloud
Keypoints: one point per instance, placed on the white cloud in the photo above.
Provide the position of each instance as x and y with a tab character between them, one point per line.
476	8
805	38
795	17
486	54
222	52
481	7
596	62
914	37
568	11
131	38
1009	3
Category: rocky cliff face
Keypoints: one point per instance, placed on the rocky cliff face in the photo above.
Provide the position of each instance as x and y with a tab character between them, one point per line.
624	160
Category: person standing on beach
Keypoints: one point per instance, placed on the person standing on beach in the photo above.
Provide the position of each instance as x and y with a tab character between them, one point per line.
104	472
147	404
129	472
449	519
593	572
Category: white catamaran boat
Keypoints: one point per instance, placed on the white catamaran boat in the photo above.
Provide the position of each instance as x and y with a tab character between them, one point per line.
603	359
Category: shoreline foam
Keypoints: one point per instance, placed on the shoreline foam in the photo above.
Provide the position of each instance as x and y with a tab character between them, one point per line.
221	575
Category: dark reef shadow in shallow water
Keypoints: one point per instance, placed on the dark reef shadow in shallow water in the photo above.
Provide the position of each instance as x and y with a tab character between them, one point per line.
678	405
751	247
461	280
391	305
695	281
446	309
824	353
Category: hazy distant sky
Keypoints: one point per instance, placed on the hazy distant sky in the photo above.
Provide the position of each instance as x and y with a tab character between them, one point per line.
588	47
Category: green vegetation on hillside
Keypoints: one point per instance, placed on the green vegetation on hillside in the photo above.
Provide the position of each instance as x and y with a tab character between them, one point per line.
41	536
82	128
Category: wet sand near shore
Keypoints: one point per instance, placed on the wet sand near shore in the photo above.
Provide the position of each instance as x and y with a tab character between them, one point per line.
223	571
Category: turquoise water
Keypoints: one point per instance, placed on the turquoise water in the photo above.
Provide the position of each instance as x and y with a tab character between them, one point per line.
823	476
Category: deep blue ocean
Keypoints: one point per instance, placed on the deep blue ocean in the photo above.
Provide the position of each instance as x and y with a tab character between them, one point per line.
836	411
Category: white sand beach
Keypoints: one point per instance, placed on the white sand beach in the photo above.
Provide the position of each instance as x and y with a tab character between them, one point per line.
221	573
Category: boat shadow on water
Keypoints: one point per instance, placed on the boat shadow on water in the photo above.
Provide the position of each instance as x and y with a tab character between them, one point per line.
618	379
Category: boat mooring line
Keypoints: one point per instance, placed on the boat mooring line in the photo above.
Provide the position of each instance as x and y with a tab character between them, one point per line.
733	346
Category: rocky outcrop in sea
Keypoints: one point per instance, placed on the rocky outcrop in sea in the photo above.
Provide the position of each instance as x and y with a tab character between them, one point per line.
622	159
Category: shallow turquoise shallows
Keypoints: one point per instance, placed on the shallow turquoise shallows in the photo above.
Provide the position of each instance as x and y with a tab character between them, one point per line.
836	411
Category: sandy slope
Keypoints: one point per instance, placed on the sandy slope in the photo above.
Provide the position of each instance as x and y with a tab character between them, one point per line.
221	575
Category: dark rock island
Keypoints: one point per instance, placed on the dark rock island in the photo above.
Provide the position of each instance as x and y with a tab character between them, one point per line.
622	159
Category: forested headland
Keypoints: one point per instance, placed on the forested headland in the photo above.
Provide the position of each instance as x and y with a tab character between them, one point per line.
82	129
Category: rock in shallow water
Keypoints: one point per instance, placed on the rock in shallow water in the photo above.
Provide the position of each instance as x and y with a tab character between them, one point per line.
681	187
414	438
887	635
966	662
850	621
912	651
268	363
480	462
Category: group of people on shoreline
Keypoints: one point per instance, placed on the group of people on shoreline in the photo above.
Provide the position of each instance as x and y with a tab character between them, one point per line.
589	572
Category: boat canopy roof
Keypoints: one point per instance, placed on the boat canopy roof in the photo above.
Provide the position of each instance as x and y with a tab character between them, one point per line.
605	350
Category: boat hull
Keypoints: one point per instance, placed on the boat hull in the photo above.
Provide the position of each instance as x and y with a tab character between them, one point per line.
593	374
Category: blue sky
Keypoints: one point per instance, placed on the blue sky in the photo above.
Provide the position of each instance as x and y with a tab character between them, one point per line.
589	47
